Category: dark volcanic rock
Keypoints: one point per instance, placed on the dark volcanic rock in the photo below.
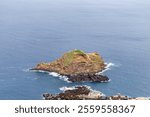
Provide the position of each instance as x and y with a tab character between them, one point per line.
88	78
77	93
85	93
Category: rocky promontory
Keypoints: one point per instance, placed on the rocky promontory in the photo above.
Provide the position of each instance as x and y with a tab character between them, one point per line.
77	66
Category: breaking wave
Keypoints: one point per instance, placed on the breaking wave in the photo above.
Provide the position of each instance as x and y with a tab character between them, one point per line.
54	74
108	67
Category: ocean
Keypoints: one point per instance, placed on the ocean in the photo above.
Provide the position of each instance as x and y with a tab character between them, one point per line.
35	31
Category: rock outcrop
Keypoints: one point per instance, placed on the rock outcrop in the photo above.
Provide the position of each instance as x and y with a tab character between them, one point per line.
77	66
85	93
75	93
88	78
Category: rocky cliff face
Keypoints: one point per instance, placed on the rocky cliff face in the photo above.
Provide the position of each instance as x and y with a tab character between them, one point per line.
73	63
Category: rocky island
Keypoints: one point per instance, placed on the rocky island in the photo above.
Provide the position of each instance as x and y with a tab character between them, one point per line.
77	66
86	93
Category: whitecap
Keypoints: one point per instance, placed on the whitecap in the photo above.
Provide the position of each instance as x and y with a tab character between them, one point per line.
41	71
29	70
65	78
108	67
54	74
67	88
73	87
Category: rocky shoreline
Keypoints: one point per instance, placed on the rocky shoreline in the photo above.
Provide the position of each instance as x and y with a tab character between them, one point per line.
75	93
87	78
86	93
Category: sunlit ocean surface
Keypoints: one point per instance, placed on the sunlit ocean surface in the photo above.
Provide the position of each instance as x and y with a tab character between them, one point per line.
34	31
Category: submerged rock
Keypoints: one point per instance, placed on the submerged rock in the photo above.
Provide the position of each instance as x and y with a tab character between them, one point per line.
77	66
86	93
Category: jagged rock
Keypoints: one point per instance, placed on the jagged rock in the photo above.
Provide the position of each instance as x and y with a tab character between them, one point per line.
85	93
87	77
77	93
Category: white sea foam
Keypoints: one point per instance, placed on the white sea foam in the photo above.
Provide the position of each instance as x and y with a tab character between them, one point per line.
65	78
40	71
67	88
29	70
74	87
108	67
54	74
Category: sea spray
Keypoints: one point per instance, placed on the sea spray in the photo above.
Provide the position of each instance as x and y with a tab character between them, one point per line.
54	74
108	67
75	87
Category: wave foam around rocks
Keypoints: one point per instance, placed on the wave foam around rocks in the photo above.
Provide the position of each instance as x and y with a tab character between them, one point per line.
54	74
108	67
74	87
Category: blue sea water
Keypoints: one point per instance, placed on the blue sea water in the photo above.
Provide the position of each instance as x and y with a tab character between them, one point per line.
34	31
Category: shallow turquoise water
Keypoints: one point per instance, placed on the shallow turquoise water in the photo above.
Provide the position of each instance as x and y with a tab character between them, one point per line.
42	30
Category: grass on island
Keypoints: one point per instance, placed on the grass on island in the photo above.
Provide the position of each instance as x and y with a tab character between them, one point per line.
68	57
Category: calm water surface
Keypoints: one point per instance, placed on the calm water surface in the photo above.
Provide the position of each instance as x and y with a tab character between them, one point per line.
42	30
